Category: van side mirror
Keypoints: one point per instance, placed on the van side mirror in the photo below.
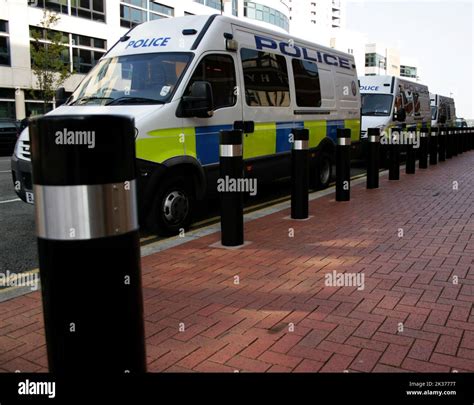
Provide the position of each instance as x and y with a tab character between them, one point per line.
400	115
199	103
60	96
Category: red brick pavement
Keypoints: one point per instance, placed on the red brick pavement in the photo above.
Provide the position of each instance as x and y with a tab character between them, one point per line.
280	316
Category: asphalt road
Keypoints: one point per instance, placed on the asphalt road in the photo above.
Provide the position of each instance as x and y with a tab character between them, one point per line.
17	238
18	242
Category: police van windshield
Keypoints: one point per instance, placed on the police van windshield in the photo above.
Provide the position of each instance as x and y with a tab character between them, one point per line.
376	104
434	112
132	79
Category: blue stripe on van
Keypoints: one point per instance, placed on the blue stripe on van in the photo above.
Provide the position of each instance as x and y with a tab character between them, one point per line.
283	130
207	143
332	126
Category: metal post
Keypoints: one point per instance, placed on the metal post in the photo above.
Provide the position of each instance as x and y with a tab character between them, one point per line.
394	170
449	142
300	174
456	142
410	167
231	170
434	146
373	158
88	243
442	144
423	161
343	165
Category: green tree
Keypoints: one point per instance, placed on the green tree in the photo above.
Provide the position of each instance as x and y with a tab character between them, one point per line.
50	59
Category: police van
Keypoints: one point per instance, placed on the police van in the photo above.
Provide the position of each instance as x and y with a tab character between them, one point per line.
392	102
184	79
443	111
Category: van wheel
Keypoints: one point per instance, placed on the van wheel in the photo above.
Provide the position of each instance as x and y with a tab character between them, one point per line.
323	172
172	208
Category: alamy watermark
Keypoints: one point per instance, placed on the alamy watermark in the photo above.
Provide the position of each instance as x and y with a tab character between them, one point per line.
335	279
231	185
66	137
10	279
28	387
401	138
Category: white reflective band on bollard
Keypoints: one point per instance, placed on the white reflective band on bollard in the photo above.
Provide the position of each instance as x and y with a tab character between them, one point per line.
374	138
344	141
85	212
424	135
300	145
230	150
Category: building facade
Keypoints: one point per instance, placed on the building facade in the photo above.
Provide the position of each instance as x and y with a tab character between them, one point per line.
89	28
381	60
316	20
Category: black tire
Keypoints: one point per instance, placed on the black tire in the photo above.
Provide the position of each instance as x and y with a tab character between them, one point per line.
323	171
173	207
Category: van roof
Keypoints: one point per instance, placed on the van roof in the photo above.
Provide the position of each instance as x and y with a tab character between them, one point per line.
188	33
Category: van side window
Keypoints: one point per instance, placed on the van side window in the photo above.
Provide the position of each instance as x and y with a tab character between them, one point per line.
266	79
219	71
308	87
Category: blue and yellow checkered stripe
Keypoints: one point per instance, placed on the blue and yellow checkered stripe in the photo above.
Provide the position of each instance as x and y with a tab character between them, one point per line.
202	143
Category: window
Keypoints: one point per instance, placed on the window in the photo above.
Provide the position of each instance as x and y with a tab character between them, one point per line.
4	44
308	87
161	9
375	60
216	4
267	14
136	11
86	51
148	78
218	70
265	78
59	6
90	9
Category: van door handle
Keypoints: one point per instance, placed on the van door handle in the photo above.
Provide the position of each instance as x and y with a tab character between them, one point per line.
248	127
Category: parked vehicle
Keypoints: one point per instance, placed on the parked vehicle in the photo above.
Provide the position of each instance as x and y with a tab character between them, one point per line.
8	136
389	101
185	79
443	111
461	123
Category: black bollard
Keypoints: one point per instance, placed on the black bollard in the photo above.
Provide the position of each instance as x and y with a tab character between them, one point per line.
449	142
394	146
423	159
373	150
88	243
455	141
231	167
471	138
300	174
410	167
442	144
343	165
434	146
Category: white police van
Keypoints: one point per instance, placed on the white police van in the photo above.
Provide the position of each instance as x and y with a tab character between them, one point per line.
443	111
184	79
392	102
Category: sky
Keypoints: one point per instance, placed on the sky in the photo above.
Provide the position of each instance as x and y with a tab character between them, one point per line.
437	34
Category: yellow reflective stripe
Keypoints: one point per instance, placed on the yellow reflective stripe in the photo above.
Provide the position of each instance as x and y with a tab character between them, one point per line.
317	132
354	126
164	144
262	142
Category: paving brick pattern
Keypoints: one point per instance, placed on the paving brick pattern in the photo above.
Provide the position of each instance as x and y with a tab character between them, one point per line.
279	316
